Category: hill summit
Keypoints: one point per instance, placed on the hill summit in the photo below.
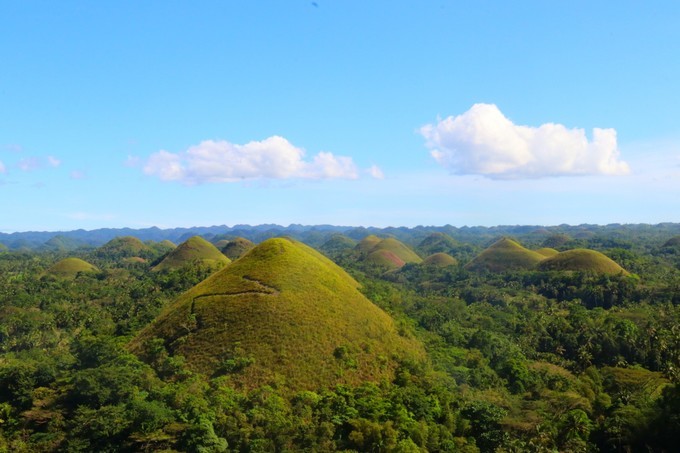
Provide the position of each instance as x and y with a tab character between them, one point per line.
69	268
505	255
285	314
193	249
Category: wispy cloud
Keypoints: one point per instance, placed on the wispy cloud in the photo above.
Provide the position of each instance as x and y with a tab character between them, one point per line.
33	163
222	161
483	141
3	169
29	164
78	174
12	147
376	172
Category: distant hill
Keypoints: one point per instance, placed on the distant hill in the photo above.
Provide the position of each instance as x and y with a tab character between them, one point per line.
440	260
337	245
124	247
236	248
505	255
582	260
195	249
672	242
282	313
436	243
69	268
61	243
389	253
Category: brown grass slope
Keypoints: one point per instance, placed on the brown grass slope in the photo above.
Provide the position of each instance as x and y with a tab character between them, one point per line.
298	315
582	260
505	255
236	248
399	249
69	268
440	260
193	249
385	258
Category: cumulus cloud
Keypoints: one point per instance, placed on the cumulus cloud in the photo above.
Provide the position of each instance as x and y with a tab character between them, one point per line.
483	141
272	158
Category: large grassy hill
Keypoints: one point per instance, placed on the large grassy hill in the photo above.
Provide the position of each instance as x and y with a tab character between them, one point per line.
193	249
290	314
69	268
505	255
582	260
437	243
390	252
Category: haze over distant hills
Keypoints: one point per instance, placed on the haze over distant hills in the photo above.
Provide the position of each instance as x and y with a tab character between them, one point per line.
316	235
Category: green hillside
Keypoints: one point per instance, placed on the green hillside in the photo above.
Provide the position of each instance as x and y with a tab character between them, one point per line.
192	250
124	247
69	268
368	243
337	245
236	248
505	255
384	258
582	260
547	252
436	243
440	260
286	314
672	242
399	249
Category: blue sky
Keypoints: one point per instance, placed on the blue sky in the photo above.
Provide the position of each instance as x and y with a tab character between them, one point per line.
377	113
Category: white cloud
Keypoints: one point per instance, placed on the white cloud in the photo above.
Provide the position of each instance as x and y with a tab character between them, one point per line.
2	167
376	172
132	161
272	158
53	161
78	174
483	141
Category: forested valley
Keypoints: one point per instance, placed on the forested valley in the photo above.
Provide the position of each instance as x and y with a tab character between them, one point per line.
510	349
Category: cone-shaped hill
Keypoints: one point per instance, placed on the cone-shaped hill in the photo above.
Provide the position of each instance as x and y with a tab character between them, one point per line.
69	268
124	247
440	260
193	249
292	315
505	255
236	248
582	260
437	243
672	242
390	252
337	245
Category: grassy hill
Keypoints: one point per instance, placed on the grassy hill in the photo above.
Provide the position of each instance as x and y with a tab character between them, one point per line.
337	245
437	243
286	314
69	268
193	249
368	243
384	258
236	248
672	242
505	255
124	247
582	260
547	252
440	260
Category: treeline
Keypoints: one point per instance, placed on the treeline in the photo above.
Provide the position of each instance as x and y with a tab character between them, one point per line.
517	361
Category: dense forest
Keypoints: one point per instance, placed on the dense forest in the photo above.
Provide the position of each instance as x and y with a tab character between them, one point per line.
519	339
